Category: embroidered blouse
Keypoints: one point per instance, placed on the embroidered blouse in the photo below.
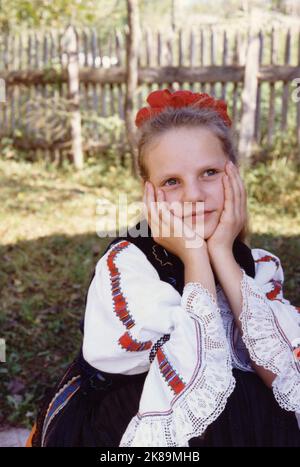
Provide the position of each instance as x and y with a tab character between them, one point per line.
135	322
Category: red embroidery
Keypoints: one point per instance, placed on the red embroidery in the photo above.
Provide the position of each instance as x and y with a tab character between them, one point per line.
120	303
266	259
131	345
173	380
276	290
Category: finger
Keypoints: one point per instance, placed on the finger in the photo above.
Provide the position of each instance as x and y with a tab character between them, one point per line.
165	214
242	193
228	195
153	215
236	190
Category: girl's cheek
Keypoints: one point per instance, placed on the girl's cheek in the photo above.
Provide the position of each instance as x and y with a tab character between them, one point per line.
216	191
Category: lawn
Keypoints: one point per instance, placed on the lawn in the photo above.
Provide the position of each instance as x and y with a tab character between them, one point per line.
49	247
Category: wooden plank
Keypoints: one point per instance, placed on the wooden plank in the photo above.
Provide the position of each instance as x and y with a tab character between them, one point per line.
298	103
132	77
71	44
212	57
247	128
285	91
120	97
159	49
271	116
224	62
180	48
150	58
113	75
12	90
201	49
85	49
235	62
192	56
257	130
94	85
5	68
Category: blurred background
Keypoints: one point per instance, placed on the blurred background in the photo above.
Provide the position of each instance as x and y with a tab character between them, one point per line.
75	73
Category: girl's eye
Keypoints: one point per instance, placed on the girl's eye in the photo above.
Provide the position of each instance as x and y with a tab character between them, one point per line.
169	180
211	170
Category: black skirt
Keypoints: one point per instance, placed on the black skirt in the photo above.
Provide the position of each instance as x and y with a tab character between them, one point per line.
96	408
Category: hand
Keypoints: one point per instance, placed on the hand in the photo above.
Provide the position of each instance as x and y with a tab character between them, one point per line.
164	225
234	212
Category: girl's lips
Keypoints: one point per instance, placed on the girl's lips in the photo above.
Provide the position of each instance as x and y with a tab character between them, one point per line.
206	213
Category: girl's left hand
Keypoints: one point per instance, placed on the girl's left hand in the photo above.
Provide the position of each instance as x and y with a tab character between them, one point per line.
234	212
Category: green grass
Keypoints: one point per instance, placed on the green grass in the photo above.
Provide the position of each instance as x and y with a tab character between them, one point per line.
49	248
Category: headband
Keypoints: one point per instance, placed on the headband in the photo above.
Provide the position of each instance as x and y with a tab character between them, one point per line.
159	100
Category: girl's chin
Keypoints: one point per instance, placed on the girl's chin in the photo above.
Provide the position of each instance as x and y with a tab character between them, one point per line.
208	230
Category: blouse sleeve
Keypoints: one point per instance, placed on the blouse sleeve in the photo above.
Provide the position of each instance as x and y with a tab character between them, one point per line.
271	327
129	312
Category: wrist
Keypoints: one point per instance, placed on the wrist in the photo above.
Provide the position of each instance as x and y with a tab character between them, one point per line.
194	255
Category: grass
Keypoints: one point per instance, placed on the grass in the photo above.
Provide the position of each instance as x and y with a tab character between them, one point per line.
49	247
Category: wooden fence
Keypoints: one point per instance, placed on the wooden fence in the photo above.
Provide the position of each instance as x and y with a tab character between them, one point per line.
84	74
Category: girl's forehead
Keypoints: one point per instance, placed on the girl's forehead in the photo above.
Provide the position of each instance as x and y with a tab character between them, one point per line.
176	140
184	148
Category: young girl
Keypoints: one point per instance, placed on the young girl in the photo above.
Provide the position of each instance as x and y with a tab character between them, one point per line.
184	344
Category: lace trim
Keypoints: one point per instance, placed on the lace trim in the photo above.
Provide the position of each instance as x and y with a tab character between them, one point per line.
267	344
239	354
205	398
192	292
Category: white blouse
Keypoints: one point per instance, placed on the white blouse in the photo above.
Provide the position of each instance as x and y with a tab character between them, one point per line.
129	308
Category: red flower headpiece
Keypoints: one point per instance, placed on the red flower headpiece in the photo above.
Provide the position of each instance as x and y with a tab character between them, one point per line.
158	100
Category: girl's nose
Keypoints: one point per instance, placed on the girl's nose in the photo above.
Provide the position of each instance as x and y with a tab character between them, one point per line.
194	192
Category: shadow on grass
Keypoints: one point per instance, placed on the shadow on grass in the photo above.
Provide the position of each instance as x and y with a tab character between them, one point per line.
43	290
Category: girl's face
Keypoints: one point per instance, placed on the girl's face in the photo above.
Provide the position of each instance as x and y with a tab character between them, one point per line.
188	164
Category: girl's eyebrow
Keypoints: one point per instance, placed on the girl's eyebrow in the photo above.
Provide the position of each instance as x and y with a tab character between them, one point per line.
216	164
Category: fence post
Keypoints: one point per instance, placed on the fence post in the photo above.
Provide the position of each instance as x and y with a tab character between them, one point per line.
70	42
132	38
249	96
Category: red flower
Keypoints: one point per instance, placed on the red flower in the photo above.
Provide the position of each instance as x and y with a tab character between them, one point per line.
158	100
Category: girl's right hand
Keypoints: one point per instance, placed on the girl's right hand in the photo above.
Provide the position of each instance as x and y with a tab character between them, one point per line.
165	225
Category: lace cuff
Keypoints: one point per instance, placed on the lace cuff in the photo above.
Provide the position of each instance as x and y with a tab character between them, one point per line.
207	388
268	345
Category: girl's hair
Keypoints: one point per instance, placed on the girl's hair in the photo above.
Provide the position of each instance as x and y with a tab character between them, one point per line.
190	116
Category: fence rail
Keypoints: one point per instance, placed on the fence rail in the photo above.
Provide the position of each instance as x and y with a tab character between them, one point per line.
256	73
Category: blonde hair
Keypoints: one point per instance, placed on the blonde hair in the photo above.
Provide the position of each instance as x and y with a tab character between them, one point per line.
191	116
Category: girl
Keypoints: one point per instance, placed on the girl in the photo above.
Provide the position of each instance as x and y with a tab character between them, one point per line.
185	344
